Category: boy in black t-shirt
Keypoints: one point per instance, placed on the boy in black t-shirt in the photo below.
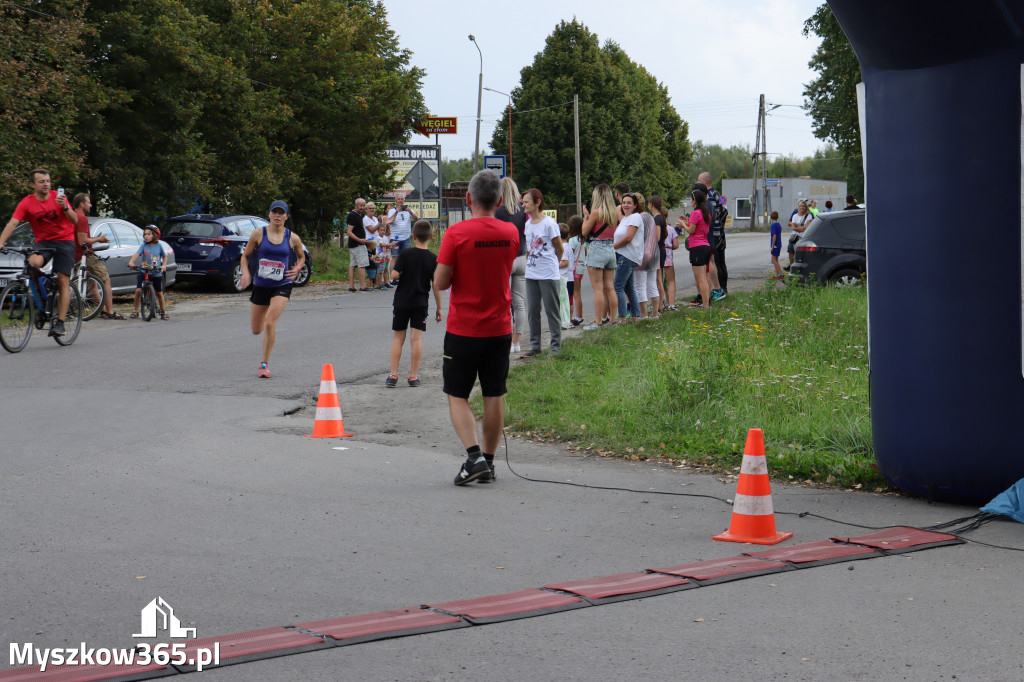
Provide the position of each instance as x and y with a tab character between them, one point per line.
414	271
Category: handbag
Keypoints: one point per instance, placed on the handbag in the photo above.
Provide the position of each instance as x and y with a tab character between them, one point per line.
650	241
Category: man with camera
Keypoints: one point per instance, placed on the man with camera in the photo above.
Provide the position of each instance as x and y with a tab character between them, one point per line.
53	223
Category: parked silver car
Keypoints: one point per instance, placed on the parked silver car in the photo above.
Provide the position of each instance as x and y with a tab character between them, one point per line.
125	239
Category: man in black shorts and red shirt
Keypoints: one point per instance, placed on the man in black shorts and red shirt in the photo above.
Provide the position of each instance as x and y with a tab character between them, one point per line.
53	224
476	261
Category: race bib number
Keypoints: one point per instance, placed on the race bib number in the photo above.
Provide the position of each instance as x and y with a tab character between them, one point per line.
271	269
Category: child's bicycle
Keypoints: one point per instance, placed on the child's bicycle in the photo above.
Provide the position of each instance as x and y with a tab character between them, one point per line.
90	289
30	300
149	303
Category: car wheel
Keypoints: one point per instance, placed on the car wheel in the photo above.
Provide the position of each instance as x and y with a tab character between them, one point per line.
234	283
302	279
846	277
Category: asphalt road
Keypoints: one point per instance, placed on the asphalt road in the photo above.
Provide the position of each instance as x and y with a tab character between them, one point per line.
147	460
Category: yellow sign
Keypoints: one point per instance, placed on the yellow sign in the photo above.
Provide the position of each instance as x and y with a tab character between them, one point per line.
552	212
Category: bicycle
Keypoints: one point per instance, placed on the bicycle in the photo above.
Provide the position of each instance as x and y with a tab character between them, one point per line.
149	302
29	301
90	289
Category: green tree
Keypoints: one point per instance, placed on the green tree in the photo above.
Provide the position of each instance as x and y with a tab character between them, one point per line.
460	170
832	96
41	67
628	129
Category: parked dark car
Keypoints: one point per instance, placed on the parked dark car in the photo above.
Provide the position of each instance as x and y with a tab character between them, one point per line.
833	249
209	247
125	239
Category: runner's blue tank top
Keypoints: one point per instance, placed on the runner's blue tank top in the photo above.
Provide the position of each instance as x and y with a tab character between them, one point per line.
271	261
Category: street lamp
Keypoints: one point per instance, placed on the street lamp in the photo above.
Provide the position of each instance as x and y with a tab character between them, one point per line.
479	101
509	127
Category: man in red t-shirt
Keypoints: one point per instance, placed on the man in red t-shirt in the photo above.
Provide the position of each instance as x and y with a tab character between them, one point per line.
53	224
476	261
82	203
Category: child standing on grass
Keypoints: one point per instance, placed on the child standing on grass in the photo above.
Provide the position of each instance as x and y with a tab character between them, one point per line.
414	271
152	258
579	267
776	241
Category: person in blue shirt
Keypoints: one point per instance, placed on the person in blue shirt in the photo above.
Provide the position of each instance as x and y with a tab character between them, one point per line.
153	259
776	241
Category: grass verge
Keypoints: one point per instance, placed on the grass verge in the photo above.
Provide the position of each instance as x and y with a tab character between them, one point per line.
790	360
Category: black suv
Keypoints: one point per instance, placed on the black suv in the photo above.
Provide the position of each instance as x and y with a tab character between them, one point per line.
210	246
833	249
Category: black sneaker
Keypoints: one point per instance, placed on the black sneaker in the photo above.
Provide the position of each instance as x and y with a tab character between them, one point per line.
471	470
57	328
489	476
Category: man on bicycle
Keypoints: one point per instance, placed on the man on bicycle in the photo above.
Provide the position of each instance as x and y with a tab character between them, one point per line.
53	224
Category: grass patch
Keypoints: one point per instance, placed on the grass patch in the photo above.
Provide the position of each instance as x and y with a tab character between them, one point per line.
792	361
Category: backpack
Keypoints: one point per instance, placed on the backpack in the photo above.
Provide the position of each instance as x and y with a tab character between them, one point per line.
651	252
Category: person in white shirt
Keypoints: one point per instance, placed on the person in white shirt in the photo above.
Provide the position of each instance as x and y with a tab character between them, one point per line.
400	219
544	244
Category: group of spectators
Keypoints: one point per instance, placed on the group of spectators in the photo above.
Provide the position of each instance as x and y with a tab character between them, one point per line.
624	243
374	243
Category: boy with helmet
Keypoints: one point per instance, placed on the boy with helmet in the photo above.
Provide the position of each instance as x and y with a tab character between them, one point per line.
152	258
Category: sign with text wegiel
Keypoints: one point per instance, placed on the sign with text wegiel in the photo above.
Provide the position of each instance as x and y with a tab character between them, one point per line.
417	171
438	125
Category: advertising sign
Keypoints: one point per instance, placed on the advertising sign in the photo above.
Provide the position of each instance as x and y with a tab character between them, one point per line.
417	171
438	125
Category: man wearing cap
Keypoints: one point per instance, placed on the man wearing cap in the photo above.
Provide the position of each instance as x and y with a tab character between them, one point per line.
53	224
272	282
358	256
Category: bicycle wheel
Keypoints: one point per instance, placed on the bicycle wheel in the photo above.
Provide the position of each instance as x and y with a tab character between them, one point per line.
93	295
148	302
17	312
72	321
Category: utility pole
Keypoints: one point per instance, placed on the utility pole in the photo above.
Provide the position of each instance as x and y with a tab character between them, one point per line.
576	130
759	209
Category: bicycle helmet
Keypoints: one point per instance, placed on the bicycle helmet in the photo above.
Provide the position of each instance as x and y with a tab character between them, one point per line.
156	230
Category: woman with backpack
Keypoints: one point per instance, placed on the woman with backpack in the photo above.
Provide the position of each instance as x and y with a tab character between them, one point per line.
645	275
599	230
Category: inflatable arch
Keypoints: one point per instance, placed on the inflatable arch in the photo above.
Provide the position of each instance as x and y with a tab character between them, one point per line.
944	147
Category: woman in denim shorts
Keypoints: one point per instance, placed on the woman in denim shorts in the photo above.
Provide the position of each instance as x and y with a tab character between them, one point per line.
599	226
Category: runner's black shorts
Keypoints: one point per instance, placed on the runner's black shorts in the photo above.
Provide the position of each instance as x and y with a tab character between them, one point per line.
262	295
467	357
700	255
403	318
63	255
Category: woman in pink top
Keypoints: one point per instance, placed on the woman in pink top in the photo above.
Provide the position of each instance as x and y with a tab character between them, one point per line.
700	248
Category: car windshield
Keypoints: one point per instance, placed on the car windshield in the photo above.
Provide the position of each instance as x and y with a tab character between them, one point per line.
181	228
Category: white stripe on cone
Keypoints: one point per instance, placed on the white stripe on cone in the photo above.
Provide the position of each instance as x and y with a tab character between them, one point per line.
754	464
328	387
753	505
328	414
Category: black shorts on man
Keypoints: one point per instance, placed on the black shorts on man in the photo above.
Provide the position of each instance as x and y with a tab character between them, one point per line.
468	357
262	295
63	255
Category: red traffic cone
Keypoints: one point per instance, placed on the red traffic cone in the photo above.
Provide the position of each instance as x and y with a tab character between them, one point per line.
753	517
329	422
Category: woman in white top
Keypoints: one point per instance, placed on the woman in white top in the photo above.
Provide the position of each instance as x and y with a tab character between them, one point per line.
645	276
544	251
629	251
798	223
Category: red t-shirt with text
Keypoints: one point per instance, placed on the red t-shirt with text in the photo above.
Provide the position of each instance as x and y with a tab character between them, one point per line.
480	252
48	220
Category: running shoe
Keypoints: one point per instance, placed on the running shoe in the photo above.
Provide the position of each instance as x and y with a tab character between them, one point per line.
529	354
472	469
490	476
57	328
391	381
718	295
590	326
264	372
414	382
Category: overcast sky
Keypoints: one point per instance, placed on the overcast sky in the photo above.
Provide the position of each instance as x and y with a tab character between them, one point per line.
738	49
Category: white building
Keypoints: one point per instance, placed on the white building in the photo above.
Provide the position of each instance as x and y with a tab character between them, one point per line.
779	194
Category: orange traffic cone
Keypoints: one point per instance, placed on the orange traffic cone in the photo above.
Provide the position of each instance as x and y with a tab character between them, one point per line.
329	423
753	518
